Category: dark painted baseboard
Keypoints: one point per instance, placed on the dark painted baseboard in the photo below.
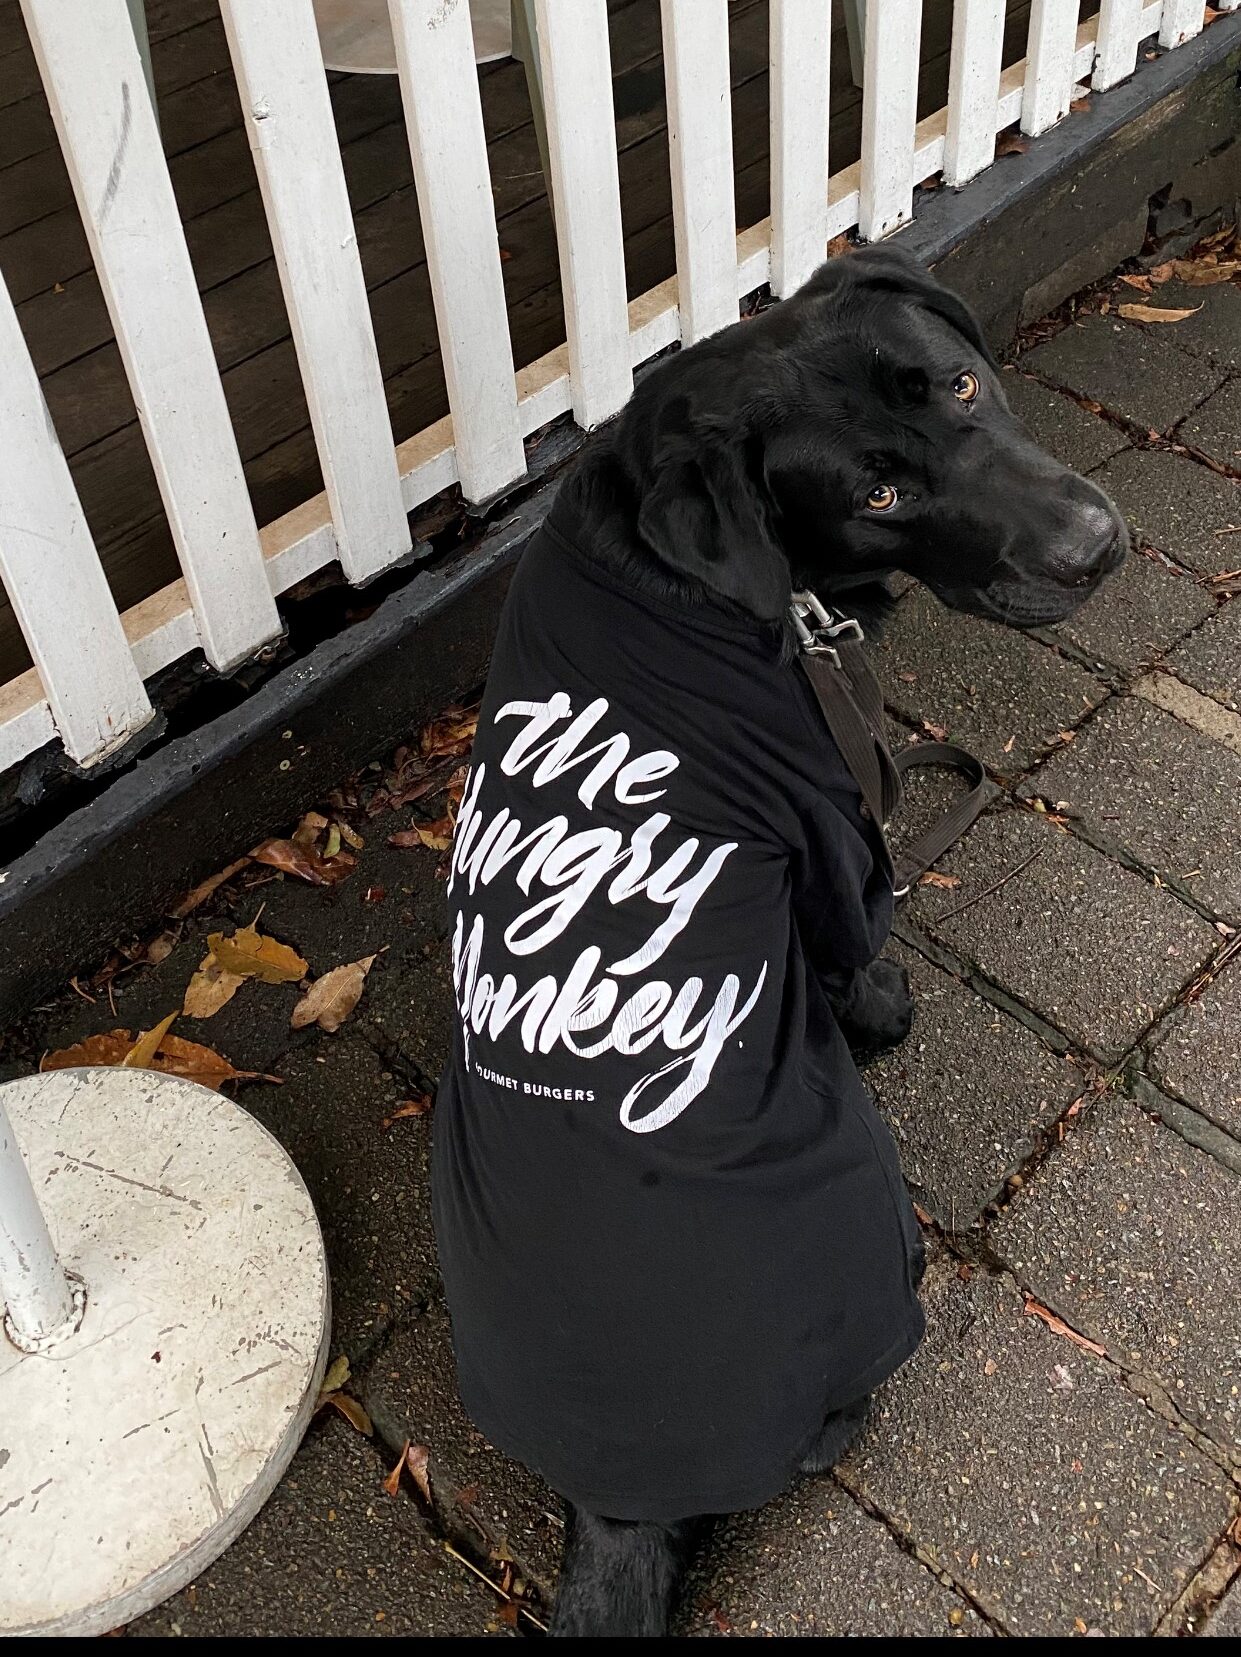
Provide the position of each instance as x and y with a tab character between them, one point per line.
1055	214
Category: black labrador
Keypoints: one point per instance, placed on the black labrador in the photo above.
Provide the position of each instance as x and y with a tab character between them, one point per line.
856	430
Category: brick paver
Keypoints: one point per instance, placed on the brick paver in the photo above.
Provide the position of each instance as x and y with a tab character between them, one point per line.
1139	375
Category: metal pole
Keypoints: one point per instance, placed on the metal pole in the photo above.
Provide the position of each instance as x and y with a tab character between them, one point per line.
33	1286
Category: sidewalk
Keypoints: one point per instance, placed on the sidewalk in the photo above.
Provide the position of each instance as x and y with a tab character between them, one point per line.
1064	1453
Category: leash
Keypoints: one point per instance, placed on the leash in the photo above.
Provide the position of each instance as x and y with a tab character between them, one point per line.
832	656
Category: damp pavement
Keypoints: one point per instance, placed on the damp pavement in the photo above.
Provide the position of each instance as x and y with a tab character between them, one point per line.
1063	1455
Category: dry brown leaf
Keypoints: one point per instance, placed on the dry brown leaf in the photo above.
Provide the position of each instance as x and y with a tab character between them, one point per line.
1159	274
161	947
211	988
1141	283
309	829
1203	275
417	1459
196	898
143	1051
939	732
1035	1309
172	1057
303	862
1155	313
393	1481
330	999
350	836
946	883
418	1106
838	246
1010	143
332	1398
1079	106
451	734
437	835
250	955
178	1057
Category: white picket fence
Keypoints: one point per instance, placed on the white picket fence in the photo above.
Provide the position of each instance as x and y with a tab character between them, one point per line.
87	687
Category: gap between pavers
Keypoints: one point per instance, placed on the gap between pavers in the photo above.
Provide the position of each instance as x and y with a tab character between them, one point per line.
1134	1238
330	1554
1176	504
1196	1052
1031	1473
1076	438
1089	945
1213	332
1141	781
1138	615
1141	376
1224	1622
969	1096
1210	661
1214	427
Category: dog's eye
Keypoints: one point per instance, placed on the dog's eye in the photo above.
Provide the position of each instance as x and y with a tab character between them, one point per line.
882	498
965	388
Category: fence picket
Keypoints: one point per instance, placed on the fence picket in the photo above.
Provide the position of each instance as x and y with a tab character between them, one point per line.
1050	50
973	88
1116	48
889	115
444	119
283	86
89	62
581	136
52	573
801	34
700	143
1181	21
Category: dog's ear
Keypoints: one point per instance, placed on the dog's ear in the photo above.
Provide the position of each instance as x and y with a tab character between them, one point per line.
892	270
704	515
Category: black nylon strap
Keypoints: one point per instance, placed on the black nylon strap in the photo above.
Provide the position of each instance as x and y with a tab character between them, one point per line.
851	702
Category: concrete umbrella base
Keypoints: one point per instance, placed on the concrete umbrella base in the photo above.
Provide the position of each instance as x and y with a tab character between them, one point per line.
141	1434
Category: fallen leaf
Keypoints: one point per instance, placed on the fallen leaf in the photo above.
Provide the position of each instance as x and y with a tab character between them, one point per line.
332	844
1035	1309
196	898
1155	313
303	862
932	877
417	1459
1163	273
161	947
350	836
451	734
374	894
720	1620
1204	275
1079	106
173	1057
1061	1378
908	678
146	1047
330	999
410	1107
437	835
921	1215
335	1376
250	955
1010	143
393	1481
1009	745
1141	283
331	1397
939	732
838	246
211	988
309	829
933	182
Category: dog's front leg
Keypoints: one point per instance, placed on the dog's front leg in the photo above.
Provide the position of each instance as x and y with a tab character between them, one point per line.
874	1007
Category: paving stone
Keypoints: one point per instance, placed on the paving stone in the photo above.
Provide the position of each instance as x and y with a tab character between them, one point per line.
1044	1503
330	1553
1211	660
967	1096
1141	376
1063	427
1225	1621
1167	794
1197	1055
370	1185
989	686
1139	613
1176	504
1215	428
1134	1238
814	1563
1214	330
410	1388
1077	937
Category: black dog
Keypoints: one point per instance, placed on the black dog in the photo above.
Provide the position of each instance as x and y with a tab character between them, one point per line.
677	1249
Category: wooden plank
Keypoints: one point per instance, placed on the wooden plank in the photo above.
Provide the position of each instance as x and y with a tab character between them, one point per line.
581	135
801	34
1181	21
93	76
973	88
1120	29
279	66
439	88
700	143
889	114
52	573
1050	51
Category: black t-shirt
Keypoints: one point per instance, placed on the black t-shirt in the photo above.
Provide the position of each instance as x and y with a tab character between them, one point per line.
671	1225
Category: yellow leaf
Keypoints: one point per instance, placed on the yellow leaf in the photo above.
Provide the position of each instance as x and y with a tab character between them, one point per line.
250	955
146	1047
330	999
335	1377
352	1411
1154	313
211	988
332	845
175	1057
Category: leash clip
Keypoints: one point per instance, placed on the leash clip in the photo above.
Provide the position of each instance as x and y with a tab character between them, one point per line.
828	625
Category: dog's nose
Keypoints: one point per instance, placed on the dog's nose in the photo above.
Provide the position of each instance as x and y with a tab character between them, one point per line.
1091	538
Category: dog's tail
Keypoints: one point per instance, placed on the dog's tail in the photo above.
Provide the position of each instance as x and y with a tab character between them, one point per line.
620	1577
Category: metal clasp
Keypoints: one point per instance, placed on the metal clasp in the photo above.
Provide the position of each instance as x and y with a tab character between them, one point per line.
828	624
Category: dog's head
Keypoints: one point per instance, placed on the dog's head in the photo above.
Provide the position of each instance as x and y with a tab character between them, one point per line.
858	429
